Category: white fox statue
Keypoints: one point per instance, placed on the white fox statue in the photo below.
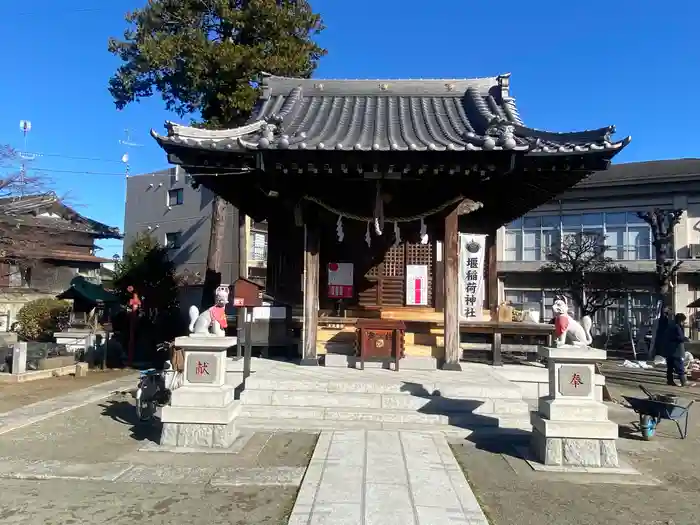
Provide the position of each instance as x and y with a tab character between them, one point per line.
566	329
211	322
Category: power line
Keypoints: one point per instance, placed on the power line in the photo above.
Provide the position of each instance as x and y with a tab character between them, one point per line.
73	172
69	157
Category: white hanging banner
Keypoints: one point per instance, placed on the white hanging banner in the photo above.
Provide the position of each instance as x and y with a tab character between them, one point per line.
340	280
472	286
416	285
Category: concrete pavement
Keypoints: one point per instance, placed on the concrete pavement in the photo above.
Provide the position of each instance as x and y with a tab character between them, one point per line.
377	477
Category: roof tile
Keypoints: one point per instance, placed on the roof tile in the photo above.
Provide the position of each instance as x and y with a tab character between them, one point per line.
386	115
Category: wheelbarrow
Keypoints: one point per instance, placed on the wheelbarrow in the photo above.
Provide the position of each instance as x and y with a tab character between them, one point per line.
657	407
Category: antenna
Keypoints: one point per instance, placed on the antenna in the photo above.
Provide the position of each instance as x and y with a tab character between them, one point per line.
129	144
25	126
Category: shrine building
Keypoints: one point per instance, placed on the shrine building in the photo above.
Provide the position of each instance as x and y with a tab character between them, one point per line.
366	186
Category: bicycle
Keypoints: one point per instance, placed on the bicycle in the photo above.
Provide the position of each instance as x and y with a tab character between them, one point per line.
155	387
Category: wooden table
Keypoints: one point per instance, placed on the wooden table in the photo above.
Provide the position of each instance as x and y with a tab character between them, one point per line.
499	328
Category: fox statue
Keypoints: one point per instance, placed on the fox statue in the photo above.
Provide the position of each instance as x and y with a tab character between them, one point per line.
566	329
211	322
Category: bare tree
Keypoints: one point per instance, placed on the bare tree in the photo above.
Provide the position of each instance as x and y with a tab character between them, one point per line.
583	272
662	223
21	243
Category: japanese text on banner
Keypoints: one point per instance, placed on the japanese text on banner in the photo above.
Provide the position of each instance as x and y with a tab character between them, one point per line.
471	275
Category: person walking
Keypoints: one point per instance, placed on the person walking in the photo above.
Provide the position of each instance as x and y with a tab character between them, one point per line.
674	346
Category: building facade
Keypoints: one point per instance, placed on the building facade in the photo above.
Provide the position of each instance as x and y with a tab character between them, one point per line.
607	203
44	245
165	205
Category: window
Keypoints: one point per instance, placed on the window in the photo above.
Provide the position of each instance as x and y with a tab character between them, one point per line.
175	197
172	240
518	298
259	246
533	238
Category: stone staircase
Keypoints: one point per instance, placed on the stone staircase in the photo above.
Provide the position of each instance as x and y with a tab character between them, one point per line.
286	396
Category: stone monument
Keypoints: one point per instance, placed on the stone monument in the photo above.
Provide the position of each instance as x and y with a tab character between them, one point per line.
202	410
571	428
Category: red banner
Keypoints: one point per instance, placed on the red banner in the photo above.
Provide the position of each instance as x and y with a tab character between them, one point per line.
339	291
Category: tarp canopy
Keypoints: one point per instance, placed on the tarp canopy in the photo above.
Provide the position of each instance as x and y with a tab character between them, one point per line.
82	289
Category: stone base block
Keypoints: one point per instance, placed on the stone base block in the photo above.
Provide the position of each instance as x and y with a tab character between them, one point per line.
572	410
201	414
203	397
580	429
574	452
205	342
198	435
81	369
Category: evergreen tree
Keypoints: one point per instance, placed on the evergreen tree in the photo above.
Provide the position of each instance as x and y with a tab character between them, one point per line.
147	268
205	58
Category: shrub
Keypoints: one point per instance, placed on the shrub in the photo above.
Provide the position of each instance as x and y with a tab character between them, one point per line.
39	319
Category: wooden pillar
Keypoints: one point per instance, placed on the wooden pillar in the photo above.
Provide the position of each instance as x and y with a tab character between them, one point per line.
492	277
451	287
311	276
438	277
243	230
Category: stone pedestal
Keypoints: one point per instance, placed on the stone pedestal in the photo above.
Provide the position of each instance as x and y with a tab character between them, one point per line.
571	427
202	411
19	358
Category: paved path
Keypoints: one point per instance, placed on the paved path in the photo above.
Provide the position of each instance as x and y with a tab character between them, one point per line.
30	414
377	477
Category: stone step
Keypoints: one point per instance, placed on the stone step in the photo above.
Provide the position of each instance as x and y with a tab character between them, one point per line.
349	360
387	401
317	425
462	420
364	385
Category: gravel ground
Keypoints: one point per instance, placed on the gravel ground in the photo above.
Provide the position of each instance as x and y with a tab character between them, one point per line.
540	498
107	433
56	502
16	395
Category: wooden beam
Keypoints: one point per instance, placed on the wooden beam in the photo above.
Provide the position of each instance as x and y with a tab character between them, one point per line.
311	277
451	286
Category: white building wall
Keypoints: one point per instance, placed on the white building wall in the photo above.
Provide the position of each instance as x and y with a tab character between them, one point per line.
684	195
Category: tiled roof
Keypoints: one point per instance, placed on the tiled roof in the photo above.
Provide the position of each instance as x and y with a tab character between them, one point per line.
389	115
654	171
26	211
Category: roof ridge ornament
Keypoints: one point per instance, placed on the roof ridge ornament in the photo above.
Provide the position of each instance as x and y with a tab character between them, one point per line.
609	133
504	84
504	131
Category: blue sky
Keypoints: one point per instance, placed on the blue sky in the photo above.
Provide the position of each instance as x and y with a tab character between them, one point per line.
575	65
